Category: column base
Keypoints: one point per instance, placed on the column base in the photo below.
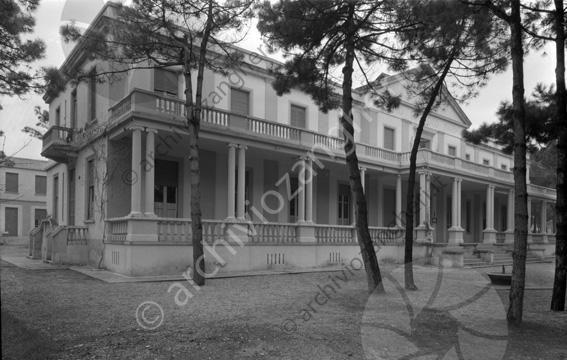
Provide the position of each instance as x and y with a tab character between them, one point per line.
489	236
424	234
135	214
150	215
456	235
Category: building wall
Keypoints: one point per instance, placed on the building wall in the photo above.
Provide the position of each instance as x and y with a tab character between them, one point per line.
26	199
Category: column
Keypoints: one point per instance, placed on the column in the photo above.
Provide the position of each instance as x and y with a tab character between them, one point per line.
510	219
455	212
150	172
241	182
456	231
399	200
363	178
544	221
231	181
428	198
309	192
459	202
422	201
136	203
301	193
489	233
529	215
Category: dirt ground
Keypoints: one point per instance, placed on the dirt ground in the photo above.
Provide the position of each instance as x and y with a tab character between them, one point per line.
305	316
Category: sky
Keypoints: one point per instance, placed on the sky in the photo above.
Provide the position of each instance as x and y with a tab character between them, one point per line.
539	67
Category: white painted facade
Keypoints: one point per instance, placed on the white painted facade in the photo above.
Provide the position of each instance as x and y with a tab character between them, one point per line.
139	188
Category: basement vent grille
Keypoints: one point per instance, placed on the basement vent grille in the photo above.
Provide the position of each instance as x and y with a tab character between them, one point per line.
115	257
275	259
334	257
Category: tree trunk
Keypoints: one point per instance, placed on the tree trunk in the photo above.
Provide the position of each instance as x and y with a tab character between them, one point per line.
408	253
559	284
515	308
367	251
193	124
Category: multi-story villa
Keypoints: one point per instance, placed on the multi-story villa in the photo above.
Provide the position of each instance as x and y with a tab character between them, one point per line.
23	194
122	184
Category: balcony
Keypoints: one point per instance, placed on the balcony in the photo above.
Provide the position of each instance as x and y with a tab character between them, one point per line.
60	144
142	103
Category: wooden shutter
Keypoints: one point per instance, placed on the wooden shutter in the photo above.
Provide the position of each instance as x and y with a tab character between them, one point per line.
41	184
297	117
389	138
239	102
165	81
12	182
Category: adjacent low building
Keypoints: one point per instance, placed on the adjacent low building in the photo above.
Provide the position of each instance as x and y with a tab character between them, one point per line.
274	185
23	195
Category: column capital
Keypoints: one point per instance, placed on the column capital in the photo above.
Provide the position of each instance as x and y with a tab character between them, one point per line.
243	147
231	145
134	127
150	130
360	168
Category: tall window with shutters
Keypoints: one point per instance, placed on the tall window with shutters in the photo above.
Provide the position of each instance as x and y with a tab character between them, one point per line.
344	205
90	190
239	103
92	95
165	82
297	114
389	134
74	109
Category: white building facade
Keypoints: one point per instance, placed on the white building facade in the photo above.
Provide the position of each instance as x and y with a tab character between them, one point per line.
274	184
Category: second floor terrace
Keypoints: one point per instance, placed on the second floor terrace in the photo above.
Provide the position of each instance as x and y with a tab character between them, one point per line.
60	144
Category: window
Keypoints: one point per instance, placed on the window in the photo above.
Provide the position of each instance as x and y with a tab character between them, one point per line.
40	185
58	116
55	196
11	221
92	95
504	167
344	204
425	144
39	214
389	138
485	162
297	117
239	102
90	189
11	182
452	151
468	157
71	197
165	82
74	109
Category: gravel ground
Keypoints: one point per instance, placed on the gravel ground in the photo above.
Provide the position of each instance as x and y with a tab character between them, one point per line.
315	315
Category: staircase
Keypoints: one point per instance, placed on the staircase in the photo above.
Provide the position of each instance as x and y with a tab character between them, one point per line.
502	256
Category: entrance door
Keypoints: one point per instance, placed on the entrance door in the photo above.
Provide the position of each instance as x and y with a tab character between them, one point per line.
166	189
11	221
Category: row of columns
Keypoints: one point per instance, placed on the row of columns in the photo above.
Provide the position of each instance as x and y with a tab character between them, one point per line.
140	171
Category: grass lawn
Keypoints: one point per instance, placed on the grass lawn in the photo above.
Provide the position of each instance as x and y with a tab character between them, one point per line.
62	314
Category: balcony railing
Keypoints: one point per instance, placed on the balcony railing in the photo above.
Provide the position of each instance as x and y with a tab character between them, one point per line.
60	143
155	105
